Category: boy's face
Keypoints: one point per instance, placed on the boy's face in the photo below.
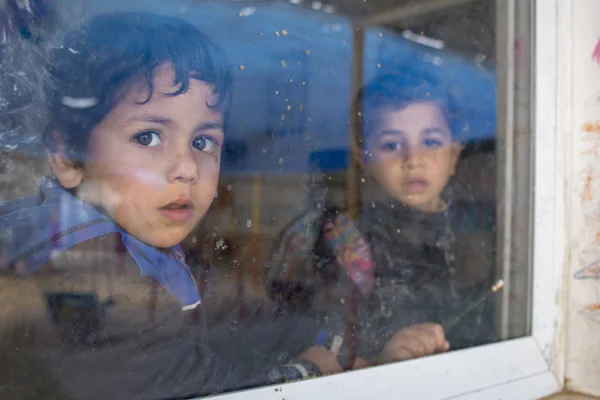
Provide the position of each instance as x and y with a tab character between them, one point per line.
154	167
412	154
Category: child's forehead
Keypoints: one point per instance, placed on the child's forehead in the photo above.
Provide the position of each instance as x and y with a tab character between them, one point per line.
192	107
418	115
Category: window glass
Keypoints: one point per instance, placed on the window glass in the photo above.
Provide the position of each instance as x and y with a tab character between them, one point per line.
203	197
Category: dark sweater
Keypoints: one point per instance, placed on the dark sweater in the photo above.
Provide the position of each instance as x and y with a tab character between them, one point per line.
413	257
88	325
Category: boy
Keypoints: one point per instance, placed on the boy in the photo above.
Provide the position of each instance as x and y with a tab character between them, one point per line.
393	267
137	105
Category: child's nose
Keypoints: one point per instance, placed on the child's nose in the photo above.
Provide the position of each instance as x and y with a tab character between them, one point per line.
413	156
183	168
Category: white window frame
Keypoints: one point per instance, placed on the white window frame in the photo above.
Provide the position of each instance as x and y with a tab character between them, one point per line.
524	368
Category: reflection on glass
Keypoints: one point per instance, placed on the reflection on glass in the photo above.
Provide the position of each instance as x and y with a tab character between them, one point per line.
190	206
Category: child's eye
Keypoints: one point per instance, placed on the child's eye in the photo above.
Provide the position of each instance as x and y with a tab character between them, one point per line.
148	139
433	143
205	144
391	146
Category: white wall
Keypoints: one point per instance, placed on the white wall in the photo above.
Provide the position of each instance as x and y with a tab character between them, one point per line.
583	191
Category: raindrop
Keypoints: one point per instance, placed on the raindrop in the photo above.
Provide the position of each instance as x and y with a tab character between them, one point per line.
289	107
283	63
328	8
247	11
281	161
276	33
282	117
284	32
242	67
249	223
194	240
229	187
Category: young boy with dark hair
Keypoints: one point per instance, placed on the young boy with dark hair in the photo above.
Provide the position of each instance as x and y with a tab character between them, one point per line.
379	279
137	105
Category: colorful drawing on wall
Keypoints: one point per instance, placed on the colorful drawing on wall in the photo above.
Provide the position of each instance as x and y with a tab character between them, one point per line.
591	127
596	53
592	271
587	190
593	307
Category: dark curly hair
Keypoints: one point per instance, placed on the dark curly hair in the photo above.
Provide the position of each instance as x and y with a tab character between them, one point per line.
90	73
397	91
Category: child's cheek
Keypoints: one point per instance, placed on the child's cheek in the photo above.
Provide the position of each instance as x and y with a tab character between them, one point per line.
149	179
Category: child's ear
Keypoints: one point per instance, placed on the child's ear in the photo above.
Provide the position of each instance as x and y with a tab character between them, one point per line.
68	173
457	148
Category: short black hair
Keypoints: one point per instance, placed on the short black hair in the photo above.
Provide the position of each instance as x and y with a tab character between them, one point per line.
100	59
397	91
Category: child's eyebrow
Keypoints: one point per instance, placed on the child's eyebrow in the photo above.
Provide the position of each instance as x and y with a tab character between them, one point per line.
206	126
152	118
168	122
391	132
434	131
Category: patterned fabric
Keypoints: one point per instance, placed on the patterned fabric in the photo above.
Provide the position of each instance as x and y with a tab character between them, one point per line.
293	260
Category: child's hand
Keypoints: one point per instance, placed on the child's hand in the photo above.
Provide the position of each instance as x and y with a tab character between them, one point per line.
325	359
413	342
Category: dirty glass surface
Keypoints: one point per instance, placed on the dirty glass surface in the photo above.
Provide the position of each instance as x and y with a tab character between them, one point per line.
202	197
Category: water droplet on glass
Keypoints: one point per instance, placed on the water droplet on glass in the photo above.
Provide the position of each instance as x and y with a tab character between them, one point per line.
303	83
378	65
281	161
307	52
282	117
276	33
229	187
289	107
242	67
284	32
283	63
194	239
380	34
264	151
249	223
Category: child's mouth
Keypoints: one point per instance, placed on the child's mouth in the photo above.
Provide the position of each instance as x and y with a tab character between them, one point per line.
178	211
415	186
